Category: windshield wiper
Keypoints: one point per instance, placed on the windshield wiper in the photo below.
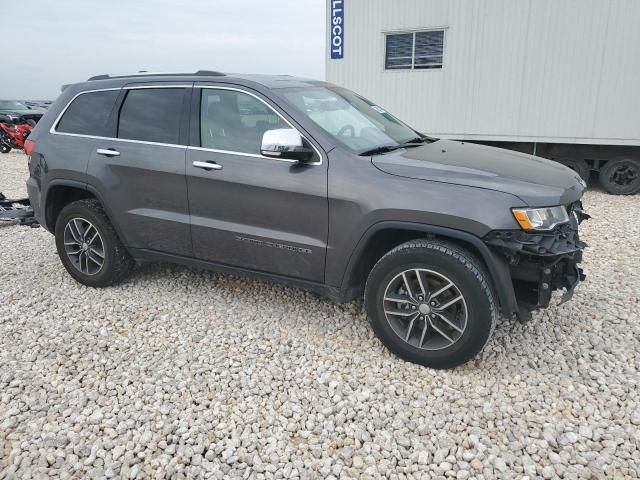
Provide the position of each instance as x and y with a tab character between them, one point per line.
391	148
379	150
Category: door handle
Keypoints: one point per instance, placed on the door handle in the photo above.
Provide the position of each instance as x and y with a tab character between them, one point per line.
207	165
109	152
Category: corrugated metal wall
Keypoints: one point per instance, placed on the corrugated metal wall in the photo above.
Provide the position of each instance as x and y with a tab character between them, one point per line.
545	70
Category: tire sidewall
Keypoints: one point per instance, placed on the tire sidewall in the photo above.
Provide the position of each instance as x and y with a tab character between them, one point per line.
479	307
614	188
80	210
581	167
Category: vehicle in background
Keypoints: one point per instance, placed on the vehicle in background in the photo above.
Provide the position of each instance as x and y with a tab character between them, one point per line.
14	130
12	111
552	79
38	104
308	184
21	108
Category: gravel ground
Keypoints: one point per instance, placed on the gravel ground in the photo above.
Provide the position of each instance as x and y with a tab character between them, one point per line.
185	373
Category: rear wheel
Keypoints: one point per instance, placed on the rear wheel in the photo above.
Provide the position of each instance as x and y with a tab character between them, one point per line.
430	302
621	176
4	148
89	247
579	165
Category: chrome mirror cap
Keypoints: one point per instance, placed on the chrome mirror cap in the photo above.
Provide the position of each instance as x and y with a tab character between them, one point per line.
286	143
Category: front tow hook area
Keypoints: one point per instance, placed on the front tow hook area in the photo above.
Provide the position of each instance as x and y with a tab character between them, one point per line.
572	282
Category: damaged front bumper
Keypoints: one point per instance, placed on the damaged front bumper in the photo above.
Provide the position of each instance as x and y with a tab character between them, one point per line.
542	262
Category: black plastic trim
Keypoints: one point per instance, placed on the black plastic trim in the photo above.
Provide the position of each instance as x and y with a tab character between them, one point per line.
199	73
80	186
333	293
497	266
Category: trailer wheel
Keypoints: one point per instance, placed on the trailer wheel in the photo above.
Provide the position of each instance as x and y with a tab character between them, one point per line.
580	166
621	176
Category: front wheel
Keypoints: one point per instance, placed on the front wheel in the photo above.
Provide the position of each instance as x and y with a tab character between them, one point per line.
4	148
430	302
89	247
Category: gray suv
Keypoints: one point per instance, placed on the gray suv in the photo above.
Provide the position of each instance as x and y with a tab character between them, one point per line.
309	184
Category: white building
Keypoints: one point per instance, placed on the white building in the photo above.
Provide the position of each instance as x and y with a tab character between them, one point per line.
537	72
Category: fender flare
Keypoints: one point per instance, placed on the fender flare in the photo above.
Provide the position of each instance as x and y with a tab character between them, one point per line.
497	266
56	182
89	188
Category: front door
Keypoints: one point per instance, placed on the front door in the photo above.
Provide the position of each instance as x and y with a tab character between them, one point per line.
248	210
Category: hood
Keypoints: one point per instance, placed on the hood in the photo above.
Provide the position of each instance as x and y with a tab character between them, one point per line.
536	181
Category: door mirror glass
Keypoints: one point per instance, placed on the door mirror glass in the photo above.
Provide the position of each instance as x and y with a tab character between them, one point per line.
286	143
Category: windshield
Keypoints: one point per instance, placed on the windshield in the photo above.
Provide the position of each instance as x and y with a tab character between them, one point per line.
349	118
11	105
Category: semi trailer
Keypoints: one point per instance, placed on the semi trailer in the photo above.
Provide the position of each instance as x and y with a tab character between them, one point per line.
554	78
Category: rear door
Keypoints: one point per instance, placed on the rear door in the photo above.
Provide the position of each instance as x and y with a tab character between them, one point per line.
248	210
75	134
140	172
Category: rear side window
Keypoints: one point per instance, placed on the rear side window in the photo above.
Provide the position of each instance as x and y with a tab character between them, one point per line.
88	113
151	115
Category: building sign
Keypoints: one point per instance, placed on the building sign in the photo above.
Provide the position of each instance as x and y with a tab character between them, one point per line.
337	29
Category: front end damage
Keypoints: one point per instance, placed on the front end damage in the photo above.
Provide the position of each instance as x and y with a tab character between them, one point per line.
542	262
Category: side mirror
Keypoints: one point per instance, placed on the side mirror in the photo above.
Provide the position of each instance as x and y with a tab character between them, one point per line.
286	143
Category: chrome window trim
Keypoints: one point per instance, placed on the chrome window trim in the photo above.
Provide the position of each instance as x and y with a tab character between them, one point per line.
132	87
254	155
95	137
53	130
241	90
57	120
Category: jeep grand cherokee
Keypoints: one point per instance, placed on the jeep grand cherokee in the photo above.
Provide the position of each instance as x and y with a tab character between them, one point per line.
309	184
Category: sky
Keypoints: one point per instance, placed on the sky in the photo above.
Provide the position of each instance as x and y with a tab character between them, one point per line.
50	43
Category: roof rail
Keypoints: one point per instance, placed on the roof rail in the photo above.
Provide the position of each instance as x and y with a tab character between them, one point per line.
144	73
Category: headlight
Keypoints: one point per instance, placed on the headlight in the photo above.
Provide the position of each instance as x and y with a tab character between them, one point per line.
540	218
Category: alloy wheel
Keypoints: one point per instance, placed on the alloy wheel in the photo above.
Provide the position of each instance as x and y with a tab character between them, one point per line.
425	309
84	246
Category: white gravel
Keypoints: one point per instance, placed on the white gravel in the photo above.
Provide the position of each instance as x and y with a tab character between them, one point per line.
184	373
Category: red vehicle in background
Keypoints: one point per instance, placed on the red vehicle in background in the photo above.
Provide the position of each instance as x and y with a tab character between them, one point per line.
14	135
16	122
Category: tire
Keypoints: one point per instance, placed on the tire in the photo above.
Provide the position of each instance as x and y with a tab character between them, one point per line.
4	148
579	165
438	262
76	226
621	176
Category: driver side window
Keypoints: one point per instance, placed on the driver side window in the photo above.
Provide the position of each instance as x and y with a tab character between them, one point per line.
235	121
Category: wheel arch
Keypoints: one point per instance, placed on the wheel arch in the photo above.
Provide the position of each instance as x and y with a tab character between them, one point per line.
59	194
62	192
384	236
